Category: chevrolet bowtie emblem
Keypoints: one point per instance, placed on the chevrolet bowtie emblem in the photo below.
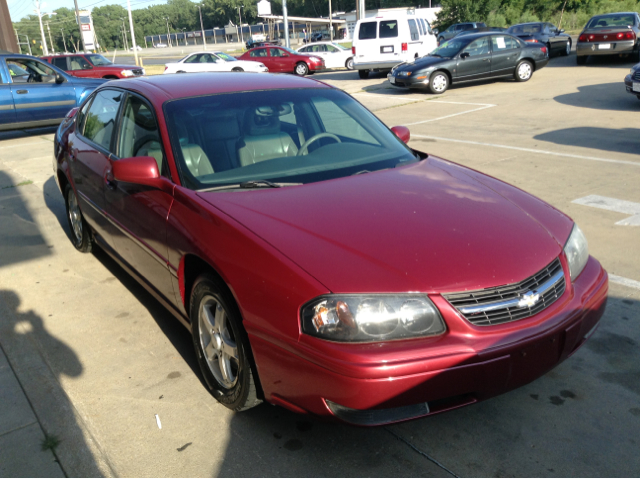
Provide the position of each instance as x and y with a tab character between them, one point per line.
605	37
529	299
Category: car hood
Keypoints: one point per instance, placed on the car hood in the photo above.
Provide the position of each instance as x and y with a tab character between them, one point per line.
87	82
421	63
432	226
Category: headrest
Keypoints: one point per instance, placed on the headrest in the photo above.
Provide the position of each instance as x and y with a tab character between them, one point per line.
257	124
225	128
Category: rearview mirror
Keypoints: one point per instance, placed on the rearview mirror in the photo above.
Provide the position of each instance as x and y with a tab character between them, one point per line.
140	170
402	132
464	55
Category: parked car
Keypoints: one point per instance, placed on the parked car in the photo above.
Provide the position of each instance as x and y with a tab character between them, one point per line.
382	42
34	93
610	34
315	37
457	28
93	65
160	45
470	58
213	62
481	30
632	81
261	43
284	60
548	34
266	215
333	54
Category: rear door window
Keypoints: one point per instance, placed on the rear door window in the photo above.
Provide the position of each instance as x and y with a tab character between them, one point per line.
368	30
413	29
60	62
389	28
101	118
503	43
79	63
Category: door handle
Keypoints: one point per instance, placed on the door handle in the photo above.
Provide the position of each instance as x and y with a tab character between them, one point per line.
22	92
485	59
110	180
74	154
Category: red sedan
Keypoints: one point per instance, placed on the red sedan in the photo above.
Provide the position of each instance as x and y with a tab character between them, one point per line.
93	65
319	262
284	60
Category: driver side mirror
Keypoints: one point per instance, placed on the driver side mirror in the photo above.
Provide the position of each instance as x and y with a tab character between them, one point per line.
60	78
435	31
561	31
464	55
402	132
86	66
139	170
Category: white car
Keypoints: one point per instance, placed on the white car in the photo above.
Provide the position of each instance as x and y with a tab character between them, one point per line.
334	54
213	62
160	45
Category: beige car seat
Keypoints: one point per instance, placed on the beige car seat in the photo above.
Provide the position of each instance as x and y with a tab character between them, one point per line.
195	158
263	139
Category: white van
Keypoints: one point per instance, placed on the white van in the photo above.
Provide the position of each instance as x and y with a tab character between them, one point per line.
382	42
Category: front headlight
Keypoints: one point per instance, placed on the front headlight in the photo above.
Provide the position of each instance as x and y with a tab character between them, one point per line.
404	74
126	73
371	317
577	252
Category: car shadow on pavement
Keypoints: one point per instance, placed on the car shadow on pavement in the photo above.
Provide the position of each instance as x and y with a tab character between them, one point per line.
579	419
15	134
623	140
602	96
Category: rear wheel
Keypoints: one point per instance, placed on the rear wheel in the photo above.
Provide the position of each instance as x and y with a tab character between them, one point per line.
80	234
524	70
438	83
222	345
363	74
581	60
237	69
349	64
567	49
440	40
301	69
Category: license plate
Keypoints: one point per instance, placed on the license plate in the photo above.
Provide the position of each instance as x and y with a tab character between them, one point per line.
604	46
393	80
387	49
636	86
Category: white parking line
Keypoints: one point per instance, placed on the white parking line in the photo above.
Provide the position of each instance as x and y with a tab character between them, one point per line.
399	97
613	204
528	150
483	107
630	283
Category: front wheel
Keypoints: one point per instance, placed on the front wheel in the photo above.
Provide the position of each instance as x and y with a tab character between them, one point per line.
438	83
237	69
567	49
301	69
581	60
524	70
221	345
349	64
80	234
363	74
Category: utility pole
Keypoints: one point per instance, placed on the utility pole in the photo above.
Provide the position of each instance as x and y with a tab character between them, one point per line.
133	35
168	32
124	35
44	40
63	42
53	50
239	15
330	22
84	47
285	17
204	41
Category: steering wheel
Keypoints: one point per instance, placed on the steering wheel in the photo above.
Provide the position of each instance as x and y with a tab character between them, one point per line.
33	77
137	146
304	148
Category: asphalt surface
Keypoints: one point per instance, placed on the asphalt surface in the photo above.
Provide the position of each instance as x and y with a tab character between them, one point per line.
98	358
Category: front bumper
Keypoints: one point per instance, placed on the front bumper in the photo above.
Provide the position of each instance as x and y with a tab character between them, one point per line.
408	82
595	48
395	381
386	65
628	83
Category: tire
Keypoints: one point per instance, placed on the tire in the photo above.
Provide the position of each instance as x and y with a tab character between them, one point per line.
440	40
80	232
363	74
237	69
222	345
438	83
581	60
181	71
549	49
301	69
524	71
567	49
349	64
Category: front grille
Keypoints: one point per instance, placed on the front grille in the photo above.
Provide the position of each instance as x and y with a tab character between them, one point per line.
137	71
636	76
501	304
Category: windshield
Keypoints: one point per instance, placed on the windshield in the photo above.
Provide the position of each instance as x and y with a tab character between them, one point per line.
290	50
611	21
282	136
99	60
337	45
226	57
450	48
525	29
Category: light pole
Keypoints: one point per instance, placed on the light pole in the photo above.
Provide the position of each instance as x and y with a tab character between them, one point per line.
240	16
330	22
63	41
285	17
184	37
168	32
53	50
204	41
45	50
124	36
133	33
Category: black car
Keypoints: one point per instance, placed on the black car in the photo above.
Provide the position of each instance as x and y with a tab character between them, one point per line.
456	28
470	58
546	33
632	81
481	30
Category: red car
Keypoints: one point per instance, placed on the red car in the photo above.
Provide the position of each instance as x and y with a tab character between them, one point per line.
93	65
319	262
284	60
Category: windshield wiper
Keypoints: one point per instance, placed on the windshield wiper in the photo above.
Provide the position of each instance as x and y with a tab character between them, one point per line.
250	184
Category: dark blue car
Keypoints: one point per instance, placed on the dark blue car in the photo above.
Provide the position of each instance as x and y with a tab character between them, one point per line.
34	93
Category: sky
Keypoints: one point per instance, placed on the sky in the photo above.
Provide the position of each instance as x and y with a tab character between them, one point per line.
21	8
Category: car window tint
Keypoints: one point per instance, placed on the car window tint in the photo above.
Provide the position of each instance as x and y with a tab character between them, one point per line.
210	58
40	71
276	52
503	42
413	29
420	26
262	52
101	118
81	115
60	62
478	47
338	122
79	63
368	30
305	49
389	29
331	48
139	135
192	59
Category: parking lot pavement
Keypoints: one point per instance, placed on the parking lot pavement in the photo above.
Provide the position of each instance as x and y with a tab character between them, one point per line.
99	358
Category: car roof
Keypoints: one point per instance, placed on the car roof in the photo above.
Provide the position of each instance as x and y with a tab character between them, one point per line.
68	55
528	23
614	13
185	85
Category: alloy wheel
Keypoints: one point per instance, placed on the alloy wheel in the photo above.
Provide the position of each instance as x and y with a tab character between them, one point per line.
301	69
524	71
568	51
75	216
440	83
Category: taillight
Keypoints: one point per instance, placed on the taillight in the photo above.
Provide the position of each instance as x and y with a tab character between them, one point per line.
543	50
531	40
404	47
582	38
165	68
626	36
353	50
